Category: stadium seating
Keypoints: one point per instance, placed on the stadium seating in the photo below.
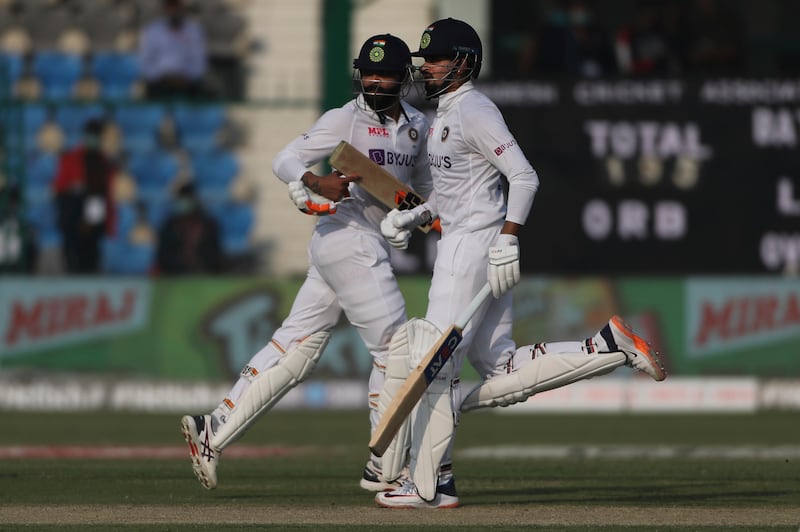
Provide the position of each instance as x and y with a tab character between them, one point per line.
11	69
121	257
154	172
33	119
58	73
42	215
214	171
140	125
73	118
236	220
50	50
197	126
116	72
125	217
41	169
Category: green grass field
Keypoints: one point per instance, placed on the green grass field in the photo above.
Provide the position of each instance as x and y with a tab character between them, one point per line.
314	484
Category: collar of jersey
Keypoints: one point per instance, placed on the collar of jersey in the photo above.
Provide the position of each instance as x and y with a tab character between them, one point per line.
448	99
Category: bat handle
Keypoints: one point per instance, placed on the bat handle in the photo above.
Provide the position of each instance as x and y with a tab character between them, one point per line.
473	306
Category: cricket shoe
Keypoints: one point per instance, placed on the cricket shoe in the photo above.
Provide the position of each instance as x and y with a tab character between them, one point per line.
197	432
407	497
371	479
641	356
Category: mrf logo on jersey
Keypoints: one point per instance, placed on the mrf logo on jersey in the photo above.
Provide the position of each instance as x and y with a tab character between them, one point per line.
384	158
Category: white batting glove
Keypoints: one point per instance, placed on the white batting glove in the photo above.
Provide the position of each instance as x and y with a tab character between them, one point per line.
503	270
309	201
395	227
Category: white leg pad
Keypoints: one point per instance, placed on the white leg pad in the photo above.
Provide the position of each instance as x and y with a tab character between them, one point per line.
397	370
432	428
414	336
267	388
545	372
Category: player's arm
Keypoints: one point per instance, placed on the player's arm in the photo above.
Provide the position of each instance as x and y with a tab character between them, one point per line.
495	142
312	193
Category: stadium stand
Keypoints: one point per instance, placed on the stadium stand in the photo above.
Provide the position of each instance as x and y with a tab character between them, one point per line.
117	74
214	172
58	72
198	125
66	61
72	118
140	125
236	223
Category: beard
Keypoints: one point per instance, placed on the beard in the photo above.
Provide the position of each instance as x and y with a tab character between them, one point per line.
434	87
381	101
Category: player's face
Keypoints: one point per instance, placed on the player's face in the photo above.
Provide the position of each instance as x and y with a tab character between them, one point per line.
381	89
437	75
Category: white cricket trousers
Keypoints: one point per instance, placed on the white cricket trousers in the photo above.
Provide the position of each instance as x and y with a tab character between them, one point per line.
349	271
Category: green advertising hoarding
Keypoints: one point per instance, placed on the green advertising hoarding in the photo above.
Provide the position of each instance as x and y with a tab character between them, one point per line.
208	328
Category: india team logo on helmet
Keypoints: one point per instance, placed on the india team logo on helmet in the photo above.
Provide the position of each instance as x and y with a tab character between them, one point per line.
425	41
377	53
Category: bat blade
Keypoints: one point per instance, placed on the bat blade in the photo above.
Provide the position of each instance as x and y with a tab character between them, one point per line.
420	377
378	182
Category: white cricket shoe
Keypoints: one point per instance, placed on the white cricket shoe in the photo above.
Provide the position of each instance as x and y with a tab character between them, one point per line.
371	479
197	433
407	497
640	353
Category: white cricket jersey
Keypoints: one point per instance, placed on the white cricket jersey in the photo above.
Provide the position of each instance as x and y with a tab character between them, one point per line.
469	149
394	145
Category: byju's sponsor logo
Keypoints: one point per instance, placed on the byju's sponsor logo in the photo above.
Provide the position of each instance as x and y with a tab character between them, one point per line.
390	158
378	156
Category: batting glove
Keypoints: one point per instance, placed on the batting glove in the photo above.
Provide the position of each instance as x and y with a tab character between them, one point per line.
503	270
394	227
310	202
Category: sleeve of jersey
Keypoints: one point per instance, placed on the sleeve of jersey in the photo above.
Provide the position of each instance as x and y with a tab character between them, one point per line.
488	133
312	147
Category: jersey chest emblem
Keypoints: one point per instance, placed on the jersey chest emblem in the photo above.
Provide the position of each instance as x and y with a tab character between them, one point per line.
445	133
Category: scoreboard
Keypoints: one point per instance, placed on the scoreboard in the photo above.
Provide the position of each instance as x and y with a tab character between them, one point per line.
659	176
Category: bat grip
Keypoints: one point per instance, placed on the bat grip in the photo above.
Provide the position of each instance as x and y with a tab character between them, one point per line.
473	306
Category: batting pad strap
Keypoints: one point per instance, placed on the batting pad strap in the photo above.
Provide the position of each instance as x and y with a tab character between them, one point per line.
267	388
544	373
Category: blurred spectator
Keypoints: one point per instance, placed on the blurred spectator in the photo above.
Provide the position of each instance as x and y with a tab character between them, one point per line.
716	38
18	249
83	191
142	232
172	54
572	43
189	241
653	44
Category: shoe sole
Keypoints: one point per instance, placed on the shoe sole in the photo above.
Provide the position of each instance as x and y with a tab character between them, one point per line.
641	346
418	507
191	436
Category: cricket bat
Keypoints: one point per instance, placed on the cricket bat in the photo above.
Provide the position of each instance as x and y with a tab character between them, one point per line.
379	183
417	382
